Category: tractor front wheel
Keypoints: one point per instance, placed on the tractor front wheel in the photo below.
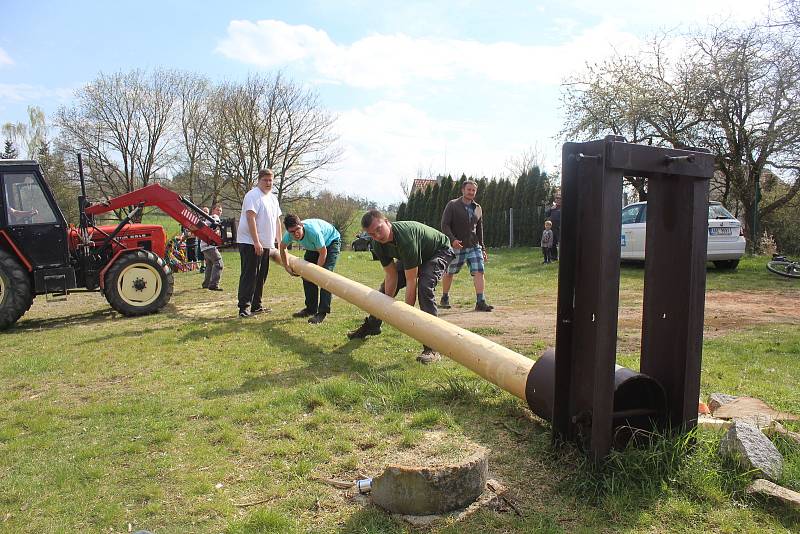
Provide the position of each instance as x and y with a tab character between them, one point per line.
16	293
139	283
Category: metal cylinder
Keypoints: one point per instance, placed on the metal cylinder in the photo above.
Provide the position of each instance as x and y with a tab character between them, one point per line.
639	400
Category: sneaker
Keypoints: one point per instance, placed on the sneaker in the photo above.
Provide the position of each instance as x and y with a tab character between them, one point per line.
363	331
244	314
260	309
445	303
305	312
483	306
429	356
215	288
317	318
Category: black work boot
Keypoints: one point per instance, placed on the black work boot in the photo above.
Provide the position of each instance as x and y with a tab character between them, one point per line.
367	328
317	318
483	306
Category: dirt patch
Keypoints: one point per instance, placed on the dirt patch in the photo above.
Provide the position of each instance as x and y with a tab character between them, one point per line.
725	312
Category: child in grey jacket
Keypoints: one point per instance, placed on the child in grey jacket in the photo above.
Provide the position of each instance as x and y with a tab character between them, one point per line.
547	242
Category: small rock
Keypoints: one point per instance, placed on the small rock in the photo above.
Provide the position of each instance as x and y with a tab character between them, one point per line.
751	449
715	400
786	496
712	423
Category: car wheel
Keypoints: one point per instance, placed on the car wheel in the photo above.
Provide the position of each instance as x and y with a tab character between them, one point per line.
726	265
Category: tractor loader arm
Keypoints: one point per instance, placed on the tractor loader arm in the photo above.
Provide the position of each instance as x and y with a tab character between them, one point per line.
174	205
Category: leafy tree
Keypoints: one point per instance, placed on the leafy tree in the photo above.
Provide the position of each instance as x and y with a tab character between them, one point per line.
339	210
732	90
9	152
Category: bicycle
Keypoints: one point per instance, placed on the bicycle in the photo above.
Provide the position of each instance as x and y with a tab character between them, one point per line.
783	266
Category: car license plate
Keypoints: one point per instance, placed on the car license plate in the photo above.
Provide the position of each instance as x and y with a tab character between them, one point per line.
715	230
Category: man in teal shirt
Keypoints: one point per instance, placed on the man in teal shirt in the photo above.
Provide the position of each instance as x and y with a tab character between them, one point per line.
322	243
414	256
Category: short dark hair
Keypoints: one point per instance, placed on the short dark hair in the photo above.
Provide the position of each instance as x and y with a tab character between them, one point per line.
366	220
265	172
468	182
291	220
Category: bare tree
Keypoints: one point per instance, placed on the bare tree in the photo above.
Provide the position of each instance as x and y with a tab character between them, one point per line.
517	166
123	122
194	117
305	142
271	122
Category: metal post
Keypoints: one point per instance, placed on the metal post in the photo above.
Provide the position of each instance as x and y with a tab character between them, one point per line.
510	227
585	408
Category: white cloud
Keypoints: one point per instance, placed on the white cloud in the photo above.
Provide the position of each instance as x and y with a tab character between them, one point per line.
5	59
382	61
22	92
391	141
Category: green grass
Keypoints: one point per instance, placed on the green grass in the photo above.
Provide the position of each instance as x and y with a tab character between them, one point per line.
171	422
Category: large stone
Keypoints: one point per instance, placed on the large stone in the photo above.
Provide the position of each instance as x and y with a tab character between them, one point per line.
786	496
427	490
751	449
754	410
715	400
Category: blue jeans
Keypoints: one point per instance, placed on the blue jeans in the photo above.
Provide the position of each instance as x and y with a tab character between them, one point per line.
319	300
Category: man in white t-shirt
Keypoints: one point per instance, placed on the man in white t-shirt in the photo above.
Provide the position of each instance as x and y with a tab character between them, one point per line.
259	225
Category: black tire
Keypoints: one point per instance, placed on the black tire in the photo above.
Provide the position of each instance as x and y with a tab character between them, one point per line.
139	283
789	269
726	265
16	292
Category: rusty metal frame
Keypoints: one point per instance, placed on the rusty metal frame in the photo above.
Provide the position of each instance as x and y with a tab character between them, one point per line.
588	283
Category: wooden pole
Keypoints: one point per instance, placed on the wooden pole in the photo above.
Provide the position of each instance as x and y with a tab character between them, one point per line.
500	366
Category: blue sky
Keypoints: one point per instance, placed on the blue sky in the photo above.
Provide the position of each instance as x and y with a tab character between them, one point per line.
417	87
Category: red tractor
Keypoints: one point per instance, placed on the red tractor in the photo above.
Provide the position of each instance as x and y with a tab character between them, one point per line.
40	254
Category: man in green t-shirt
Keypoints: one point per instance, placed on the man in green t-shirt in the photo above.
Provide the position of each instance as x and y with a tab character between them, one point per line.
414	256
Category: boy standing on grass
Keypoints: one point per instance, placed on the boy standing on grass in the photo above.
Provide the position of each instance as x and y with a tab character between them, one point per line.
322	243
212	257
259	224
547	242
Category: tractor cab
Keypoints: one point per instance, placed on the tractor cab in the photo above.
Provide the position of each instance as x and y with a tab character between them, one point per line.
32	227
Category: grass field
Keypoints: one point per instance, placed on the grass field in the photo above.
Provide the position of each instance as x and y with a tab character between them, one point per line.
178	421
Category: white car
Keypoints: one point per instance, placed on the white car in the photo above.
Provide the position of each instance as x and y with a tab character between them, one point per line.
725	236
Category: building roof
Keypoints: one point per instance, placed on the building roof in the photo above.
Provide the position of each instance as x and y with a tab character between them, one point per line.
422	184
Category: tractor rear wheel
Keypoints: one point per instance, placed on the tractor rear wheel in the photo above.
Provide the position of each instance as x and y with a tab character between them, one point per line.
139	283
16	293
